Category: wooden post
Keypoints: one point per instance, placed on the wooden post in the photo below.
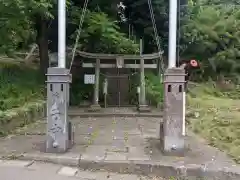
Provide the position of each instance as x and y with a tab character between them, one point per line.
95	106
142	84
142	104
96	85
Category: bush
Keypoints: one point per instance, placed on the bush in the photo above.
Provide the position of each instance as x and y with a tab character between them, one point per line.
154	89
19	117
211	34
18	86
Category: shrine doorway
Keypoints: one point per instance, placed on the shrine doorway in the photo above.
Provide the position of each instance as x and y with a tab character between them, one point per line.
118	88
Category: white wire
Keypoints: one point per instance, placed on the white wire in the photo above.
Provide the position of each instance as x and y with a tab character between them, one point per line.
154	24
78	32
156	34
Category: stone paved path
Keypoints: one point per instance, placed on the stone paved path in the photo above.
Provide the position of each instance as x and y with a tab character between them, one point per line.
111	140
29	170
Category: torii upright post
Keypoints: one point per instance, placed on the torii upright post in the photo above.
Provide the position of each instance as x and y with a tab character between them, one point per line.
173	127
59	129
143	107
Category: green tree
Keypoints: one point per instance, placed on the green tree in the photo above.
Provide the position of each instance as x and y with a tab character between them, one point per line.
22	22
138	15
212	35
101	34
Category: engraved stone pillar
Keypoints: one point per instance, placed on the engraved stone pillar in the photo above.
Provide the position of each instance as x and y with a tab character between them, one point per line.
59	129
143	107
172	135
95	106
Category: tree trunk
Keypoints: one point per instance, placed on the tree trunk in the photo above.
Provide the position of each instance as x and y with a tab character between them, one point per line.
42	41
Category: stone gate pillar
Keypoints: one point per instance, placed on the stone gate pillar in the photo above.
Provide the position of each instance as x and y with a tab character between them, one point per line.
173	118
59	129
143	107
95	105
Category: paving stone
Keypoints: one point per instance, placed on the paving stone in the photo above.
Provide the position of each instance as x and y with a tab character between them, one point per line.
128	128
133	132
68	171
80	149
151	133
107	129
98	175
117	148
136	149
44	167
150	122
113	156
105	140
67	159
93	157
96	149
123	177
92	175
82	140
94	153
16	163
136	140
135	157
137	153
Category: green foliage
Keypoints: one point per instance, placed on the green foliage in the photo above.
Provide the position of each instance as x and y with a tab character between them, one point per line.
18	86
19	117
101	34
211	34
80	91
154	89
17	22
138	15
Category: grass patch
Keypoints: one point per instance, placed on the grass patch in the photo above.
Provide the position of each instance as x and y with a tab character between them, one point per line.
19	117
19	85
21	96
215	116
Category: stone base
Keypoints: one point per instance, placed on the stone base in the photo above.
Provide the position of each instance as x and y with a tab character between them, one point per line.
161	134
59	150
178	152
165	142
68	145
94	108
71	132
173	146
144	108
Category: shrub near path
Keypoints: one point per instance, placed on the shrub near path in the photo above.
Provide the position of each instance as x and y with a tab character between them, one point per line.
21	91
215	116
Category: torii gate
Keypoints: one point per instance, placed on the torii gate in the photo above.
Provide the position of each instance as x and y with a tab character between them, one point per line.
59	128
119	63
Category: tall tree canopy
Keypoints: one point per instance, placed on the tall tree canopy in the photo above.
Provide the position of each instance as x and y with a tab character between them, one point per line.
209	28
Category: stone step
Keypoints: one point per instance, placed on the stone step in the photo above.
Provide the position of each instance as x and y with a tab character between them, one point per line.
99	114
162	168
27	170
117	112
